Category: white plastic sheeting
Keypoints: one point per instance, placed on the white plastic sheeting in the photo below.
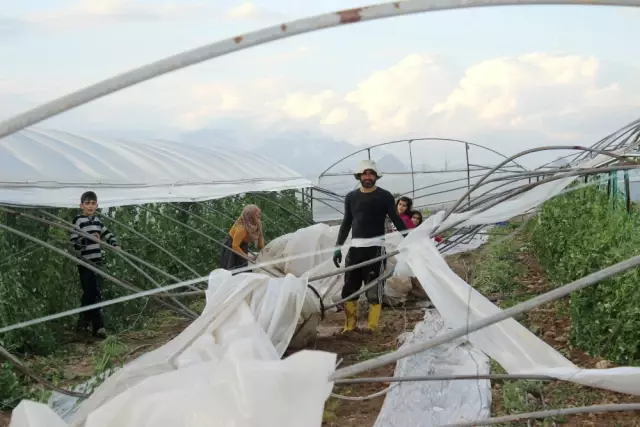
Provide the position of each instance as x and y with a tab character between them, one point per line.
53	168
508	342
435	403
223	370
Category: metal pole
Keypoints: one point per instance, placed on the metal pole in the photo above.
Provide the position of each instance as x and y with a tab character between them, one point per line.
103	244
151	242
96	270
413	179
66	225
28	372
203	234
627	190
282	207
468	175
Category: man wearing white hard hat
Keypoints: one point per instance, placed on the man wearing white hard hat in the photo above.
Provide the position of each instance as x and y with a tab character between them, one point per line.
365	213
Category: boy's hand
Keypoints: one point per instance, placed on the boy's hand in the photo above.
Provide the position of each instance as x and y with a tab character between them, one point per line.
96	235
117	248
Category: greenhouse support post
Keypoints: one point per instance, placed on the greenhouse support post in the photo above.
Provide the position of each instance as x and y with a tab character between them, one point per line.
466	146
627	190
413	180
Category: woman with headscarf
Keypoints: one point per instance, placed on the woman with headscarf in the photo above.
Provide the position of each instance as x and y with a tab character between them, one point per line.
247	229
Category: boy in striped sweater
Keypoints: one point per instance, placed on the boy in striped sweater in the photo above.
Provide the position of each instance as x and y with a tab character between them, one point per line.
91	252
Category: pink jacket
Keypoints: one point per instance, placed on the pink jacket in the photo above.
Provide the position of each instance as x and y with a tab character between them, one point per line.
407	223
406	218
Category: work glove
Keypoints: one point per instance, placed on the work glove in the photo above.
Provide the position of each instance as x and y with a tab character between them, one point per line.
337	257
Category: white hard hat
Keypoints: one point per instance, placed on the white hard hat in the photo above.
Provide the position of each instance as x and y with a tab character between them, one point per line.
367	164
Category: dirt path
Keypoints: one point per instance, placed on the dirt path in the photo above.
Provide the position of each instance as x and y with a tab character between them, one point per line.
356	347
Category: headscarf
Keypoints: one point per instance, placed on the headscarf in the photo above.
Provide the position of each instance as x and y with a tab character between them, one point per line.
250	220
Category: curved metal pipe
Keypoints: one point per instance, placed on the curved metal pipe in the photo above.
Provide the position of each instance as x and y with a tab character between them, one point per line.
148	240
528	187
87	265
66	225
37	378
399	141
103	244
266	35
523	153
304	220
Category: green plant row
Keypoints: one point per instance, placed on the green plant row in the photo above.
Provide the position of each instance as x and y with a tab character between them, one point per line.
582	232
497	270
35	281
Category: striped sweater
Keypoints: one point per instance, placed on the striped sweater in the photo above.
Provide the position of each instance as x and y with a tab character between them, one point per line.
86	248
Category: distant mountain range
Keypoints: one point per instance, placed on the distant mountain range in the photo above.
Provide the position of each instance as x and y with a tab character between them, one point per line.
309	154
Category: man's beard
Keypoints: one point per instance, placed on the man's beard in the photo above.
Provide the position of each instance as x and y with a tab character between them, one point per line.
368	183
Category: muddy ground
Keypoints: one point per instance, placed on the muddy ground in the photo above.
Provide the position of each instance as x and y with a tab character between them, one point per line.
356	347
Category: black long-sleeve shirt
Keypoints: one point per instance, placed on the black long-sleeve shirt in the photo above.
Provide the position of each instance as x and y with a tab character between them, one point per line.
85	247
365	215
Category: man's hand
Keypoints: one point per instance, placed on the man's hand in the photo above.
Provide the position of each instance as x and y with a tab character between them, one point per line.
337	257
96	235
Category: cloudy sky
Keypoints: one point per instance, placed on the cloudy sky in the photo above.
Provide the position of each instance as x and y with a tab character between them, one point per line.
508	77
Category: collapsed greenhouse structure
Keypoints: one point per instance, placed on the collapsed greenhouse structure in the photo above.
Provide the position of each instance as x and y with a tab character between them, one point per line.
227	367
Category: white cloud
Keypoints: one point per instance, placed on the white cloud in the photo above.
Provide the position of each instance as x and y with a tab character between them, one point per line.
391	98
89	12
534	98
301	105
243	11
337	116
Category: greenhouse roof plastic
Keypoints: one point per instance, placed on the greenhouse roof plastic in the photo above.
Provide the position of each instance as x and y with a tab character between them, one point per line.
53	168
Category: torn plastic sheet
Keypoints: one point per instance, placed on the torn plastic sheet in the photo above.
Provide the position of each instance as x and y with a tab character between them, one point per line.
468	245
512	345
434	403
223	369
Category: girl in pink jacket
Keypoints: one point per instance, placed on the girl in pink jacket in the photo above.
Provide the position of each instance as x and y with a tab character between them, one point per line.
403	205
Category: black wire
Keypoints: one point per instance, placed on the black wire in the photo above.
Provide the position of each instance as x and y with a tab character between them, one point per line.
315	291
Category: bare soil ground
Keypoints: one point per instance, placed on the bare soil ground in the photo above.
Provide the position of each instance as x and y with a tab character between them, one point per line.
356	347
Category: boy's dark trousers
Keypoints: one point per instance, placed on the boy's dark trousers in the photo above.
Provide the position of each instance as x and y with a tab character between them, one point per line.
90	282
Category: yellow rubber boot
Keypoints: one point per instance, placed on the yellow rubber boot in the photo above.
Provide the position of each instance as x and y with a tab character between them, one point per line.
374	316
351	315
